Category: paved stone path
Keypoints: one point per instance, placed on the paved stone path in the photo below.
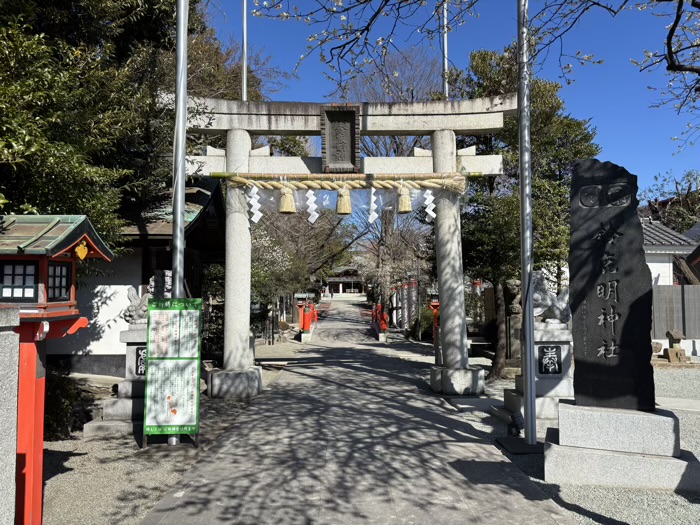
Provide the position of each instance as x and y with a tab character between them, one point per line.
350	434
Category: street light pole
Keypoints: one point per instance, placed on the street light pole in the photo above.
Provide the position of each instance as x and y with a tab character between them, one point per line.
244	61
445	65
526	243
179	161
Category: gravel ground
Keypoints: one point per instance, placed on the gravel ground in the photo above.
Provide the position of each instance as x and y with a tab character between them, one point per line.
121	482
114	481
678	382
607	506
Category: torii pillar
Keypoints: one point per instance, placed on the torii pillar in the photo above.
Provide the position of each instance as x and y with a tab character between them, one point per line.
452	375
240	379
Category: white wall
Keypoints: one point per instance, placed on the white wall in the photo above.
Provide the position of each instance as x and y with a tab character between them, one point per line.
661	267
102	299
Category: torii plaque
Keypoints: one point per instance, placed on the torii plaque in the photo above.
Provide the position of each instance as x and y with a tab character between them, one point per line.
340	138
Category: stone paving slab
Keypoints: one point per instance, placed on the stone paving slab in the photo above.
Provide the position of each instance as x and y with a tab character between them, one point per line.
349	434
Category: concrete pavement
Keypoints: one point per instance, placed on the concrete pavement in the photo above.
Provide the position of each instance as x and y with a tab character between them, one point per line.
349	433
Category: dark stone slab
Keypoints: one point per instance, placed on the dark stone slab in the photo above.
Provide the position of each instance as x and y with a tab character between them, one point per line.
611	290
340	138
549	359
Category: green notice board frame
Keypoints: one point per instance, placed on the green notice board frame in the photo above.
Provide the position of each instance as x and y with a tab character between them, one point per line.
171	404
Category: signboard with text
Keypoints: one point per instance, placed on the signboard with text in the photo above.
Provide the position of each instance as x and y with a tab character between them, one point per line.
172	371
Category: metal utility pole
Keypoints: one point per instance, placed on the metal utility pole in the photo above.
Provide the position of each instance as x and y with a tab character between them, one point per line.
179	161
526	251
244	73
180	152
445	66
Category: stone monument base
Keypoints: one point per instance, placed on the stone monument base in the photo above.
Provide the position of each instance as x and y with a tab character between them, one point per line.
120	416
604	468
305	337
619	448
656	433
123	415
544	386
553	378
131	388
457	382
382	337
236	384
546	407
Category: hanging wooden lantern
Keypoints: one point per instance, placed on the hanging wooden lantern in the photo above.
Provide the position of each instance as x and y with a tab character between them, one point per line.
404	200
344	206
287	204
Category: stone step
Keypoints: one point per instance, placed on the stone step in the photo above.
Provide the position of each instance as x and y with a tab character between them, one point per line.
619	430
98	429
604	468
122	409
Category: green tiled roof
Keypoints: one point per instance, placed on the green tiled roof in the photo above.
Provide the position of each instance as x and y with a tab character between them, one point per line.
48	235
158	222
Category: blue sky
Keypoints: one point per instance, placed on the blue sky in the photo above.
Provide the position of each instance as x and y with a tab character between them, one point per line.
614	95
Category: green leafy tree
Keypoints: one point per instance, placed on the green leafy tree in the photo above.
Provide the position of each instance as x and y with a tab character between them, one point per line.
558	140
86	124
491	249
58	107
289	146
491	240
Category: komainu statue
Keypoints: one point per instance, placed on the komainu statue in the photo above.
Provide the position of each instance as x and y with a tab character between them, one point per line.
552	308
159	287
512	297
137	311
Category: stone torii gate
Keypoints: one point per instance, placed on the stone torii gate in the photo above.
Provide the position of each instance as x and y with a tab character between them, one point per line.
445	166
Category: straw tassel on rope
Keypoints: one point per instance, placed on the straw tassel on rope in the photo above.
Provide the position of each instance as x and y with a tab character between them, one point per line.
404	205
287	204
344	206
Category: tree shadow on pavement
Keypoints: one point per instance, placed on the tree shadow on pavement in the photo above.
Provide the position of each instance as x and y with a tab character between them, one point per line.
346	437
347	434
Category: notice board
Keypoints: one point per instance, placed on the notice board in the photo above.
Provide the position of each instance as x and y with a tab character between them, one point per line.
172	366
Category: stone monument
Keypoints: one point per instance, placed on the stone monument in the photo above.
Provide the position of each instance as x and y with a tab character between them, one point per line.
612	436
610	290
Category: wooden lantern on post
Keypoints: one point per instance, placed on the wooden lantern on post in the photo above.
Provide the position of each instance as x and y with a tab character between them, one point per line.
38	257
